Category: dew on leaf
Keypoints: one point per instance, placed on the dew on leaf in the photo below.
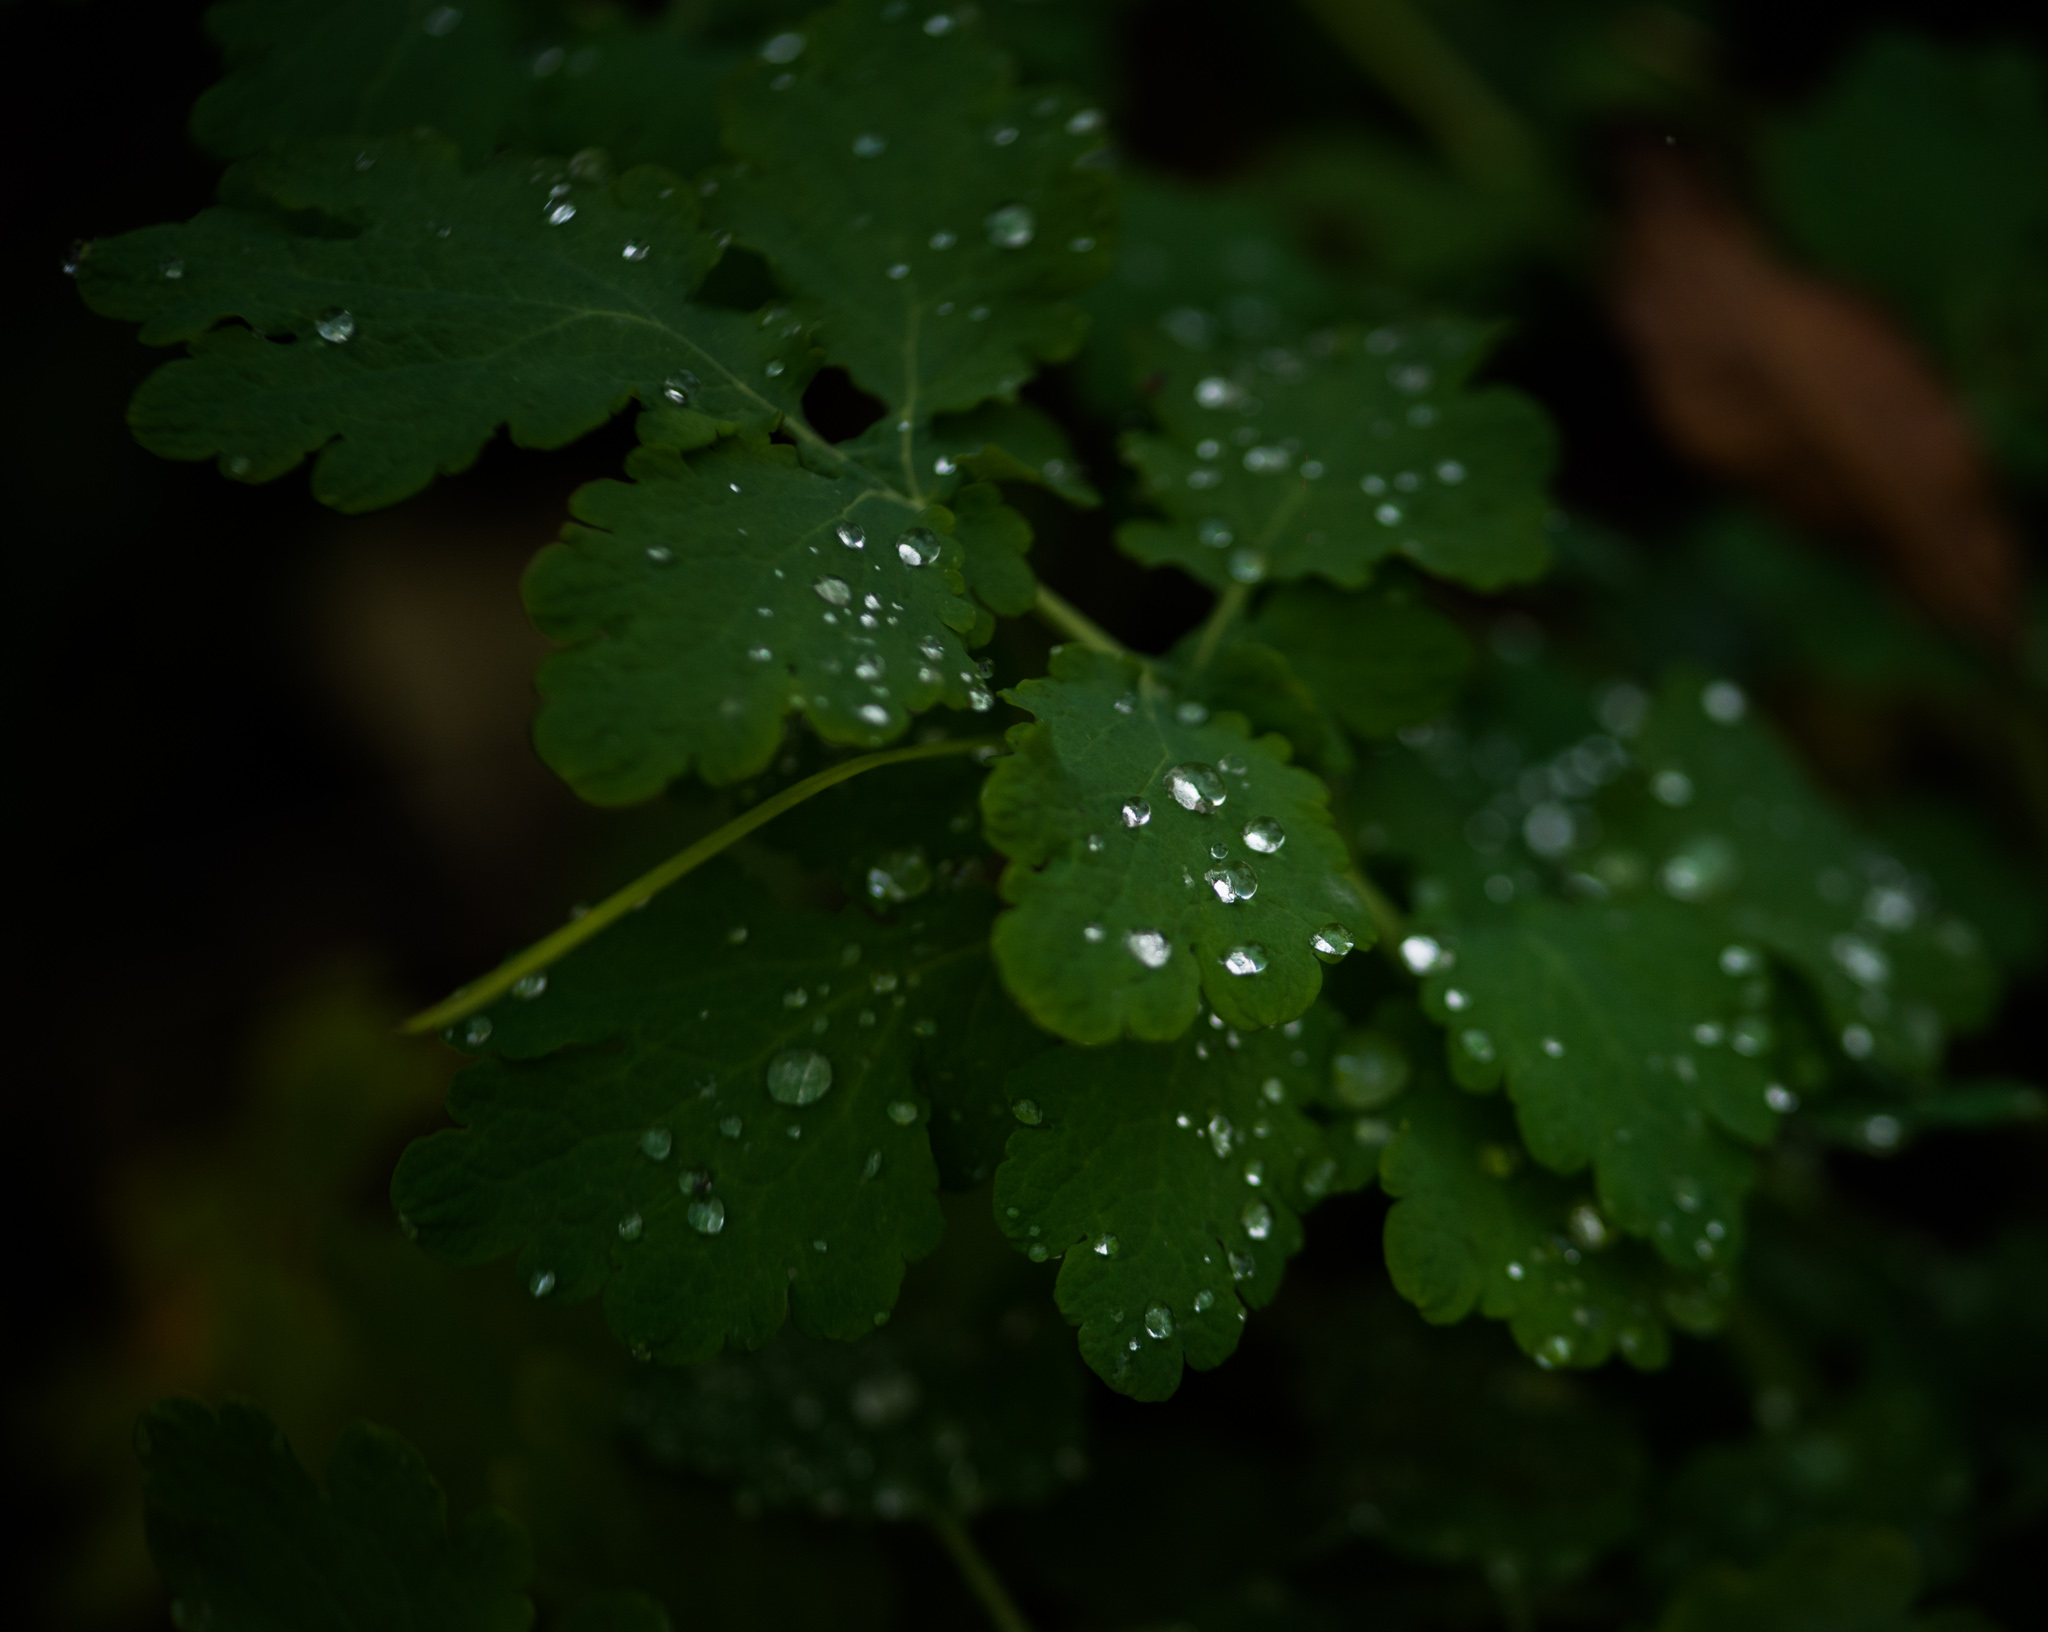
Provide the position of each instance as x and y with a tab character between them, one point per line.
630	1227
1135	813
799	1076
832	591
530	986
336	326
902	1112
1332	943
1011	227
1159	1321
1248	959
681	387
1265	835
1196	787
1232	884
1149	947
900	875
706	1217
917	547
541	1283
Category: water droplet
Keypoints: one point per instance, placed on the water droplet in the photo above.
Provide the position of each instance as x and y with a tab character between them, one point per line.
1232	765
731	1126
1232	884
1781	1099
1246	565
1555	1350
1105	1246
630	1227
1088	119
1011	226
681	387
851	536
172	268
561	213
943	240
783	48
1218	392
656	1143
1265	835
634	250
870	144
1739	960
1724	702
1248	959
1673	788
442	21
1388	515
477	1032
902	1112
1191	712
1027	1112
1258	1220
1159	1321
1450	473
1553	1048
1221	1134
760	654
832	591
541	1283
1196	787
1860	961
336	326
1857	1042
1478	1043
1587	1227
1135	813
917	547
901	875
660	554
1149	947
799	1076
707	1217
1457	1000
1332	943
530	986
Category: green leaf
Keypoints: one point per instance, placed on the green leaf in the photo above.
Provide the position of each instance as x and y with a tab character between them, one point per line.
617	1612
1444	1446
1476	1225
646	1127
1331	456
312	68
1841	1580
1133	902
930	217
368	303
1169	1180
246	1541
1627	1045
1376	661
710	596
967	1400
1733	820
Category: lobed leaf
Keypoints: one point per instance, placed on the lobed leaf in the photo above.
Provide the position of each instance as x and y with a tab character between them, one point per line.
246	1541
710	596
1327	458
930	217
711	1113
368	303
1169	1181
1134	903
1376	661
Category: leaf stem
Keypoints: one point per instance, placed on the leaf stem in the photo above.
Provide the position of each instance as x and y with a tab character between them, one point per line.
615	906
1415	65
1221	616
974	1569
1070	620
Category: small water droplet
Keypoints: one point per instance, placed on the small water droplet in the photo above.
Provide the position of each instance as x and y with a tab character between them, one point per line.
1233	765
634	250
1457	1001
1477	1042
1011	227
541	1283
1724	702
832	591
1196	787
630	1227
783	48
478	1031
1105	1246
681	387
1781	1099
707	1217
1265	835
1248	959
799	1076
1149	947
1159	1321
1232	884
1027	1112
1258	1220
902	1112
870	144
1332	943
1553	1047
336	326
561	212
851	536
917	547
901	875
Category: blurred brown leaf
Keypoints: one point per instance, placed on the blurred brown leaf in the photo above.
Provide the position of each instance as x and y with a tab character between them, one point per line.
1787	384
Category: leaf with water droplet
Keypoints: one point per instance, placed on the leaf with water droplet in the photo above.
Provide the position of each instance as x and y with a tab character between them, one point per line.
1469	1230
1070	777
238	1526
1128	1147
1362	415
1376	660
659	1023
508	321
913	340
623	707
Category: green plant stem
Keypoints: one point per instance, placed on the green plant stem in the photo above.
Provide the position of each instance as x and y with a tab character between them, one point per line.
643	889
1221	616
1416	66
974	1569
1071	621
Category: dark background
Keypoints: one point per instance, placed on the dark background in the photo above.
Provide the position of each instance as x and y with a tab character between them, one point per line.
218	789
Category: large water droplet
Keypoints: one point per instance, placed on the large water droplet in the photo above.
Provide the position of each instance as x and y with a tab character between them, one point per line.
1332	943
1149	947
1196	787
1265	835
336	326
799	1076
917	547
707	1217
1011	227
1159	1321
1248	959
851	536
